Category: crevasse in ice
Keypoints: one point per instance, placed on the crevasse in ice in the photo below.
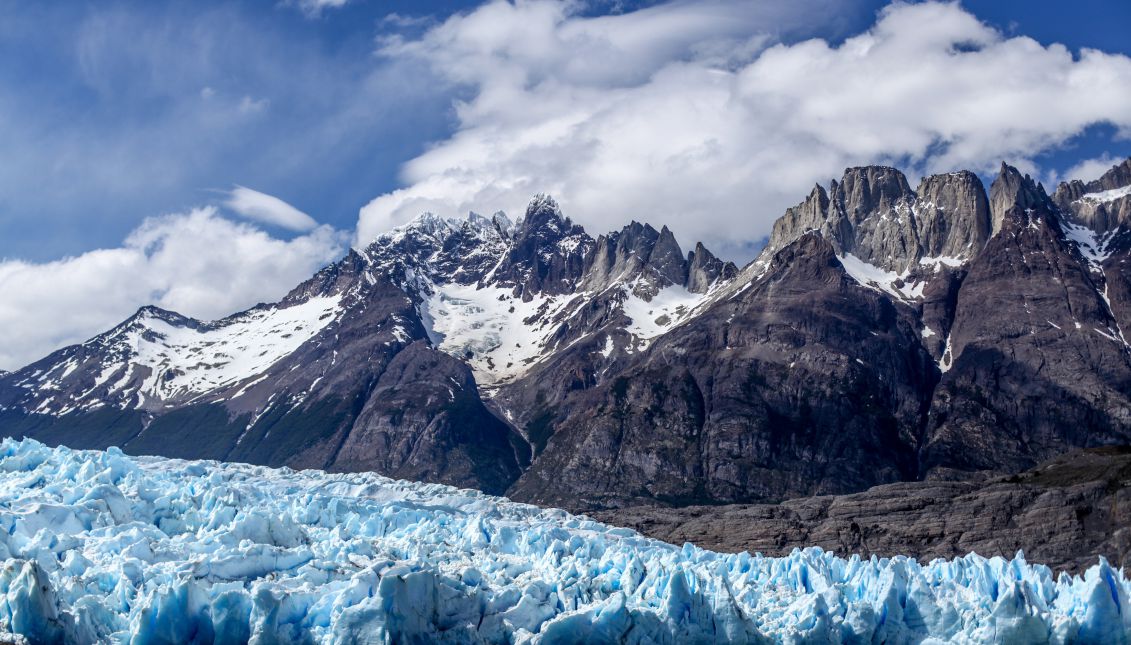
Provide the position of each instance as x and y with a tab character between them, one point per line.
102	547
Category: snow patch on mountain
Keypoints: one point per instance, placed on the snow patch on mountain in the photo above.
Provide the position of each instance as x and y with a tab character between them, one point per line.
1106	196
193	361
874	277
159	356
941	261
1093	246
496	333
651	318
101	547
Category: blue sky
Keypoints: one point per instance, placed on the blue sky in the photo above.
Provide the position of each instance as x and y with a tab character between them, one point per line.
156	138
106	114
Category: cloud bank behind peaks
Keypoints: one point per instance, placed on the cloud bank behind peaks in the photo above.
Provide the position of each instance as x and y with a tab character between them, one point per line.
681	114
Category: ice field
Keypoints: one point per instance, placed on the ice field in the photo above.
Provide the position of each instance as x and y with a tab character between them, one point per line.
103	547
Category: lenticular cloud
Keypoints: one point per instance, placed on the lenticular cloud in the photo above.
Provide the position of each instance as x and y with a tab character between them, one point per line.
101	547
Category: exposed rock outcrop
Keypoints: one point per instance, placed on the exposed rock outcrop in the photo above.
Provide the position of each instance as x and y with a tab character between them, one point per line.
873	214
1063	513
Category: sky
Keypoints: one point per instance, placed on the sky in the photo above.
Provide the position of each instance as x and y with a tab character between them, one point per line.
206	156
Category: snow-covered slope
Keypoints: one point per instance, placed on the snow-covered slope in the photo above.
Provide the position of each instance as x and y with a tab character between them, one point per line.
100	547
651	318
195	360
497	334
159	356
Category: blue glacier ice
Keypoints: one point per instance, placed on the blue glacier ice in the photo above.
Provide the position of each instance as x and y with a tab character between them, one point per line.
103	547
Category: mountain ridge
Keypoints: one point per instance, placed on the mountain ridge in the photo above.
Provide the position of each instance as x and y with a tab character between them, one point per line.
884	334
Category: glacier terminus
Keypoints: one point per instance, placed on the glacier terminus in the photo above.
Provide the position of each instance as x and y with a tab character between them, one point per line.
103	547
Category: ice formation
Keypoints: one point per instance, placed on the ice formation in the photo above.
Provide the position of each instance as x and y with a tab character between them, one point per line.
102	547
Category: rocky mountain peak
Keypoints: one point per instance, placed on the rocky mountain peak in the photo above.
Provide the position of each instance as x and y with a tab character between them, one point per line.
809	215
704	270
409	254
1102	205
146	316
651	260
872	213
158	313
478	222
625	256
1119	176
503	224
866	190
1011	189
542	213
547	252
954	215
667	258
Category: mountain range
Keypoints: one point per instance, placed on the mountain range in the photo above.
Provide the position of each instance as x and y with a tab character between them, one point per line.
884	334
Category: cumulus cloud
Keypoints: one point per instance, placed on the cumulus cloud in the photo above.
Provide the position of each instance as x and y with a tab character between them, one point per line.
173	261
268	209
686	114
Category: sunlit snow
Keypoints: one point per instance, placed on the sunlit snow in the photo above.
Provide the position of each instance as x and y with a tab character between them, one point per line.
498	334
183	359
665	310
1092	245
1105	196
941	261
878	278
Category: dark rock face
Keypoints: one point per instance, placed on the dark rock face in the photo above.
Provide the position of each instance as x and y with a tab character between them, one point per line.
787	390
805	382
424	421
1064	514
1036	363
547	254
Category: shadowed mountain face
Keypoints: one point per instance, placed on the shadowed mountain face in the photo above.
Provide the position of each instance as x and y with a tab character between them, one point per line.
884	335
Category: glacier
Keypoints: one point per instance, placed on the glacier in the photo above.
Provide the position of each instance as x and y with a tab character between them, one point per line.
104	547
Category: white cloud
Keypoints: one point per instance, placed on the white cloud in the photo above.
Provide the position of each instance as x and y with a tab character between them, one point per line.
173	261
268	209
681	115
1090	169
314	8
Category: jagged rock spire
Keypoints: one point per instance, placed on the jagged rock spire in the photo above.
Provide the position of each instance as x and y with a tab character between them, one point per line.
547	253
1012	189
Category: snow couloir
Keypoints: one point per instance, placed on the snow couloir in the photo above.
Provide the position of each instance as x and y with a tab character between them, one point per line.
102	547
